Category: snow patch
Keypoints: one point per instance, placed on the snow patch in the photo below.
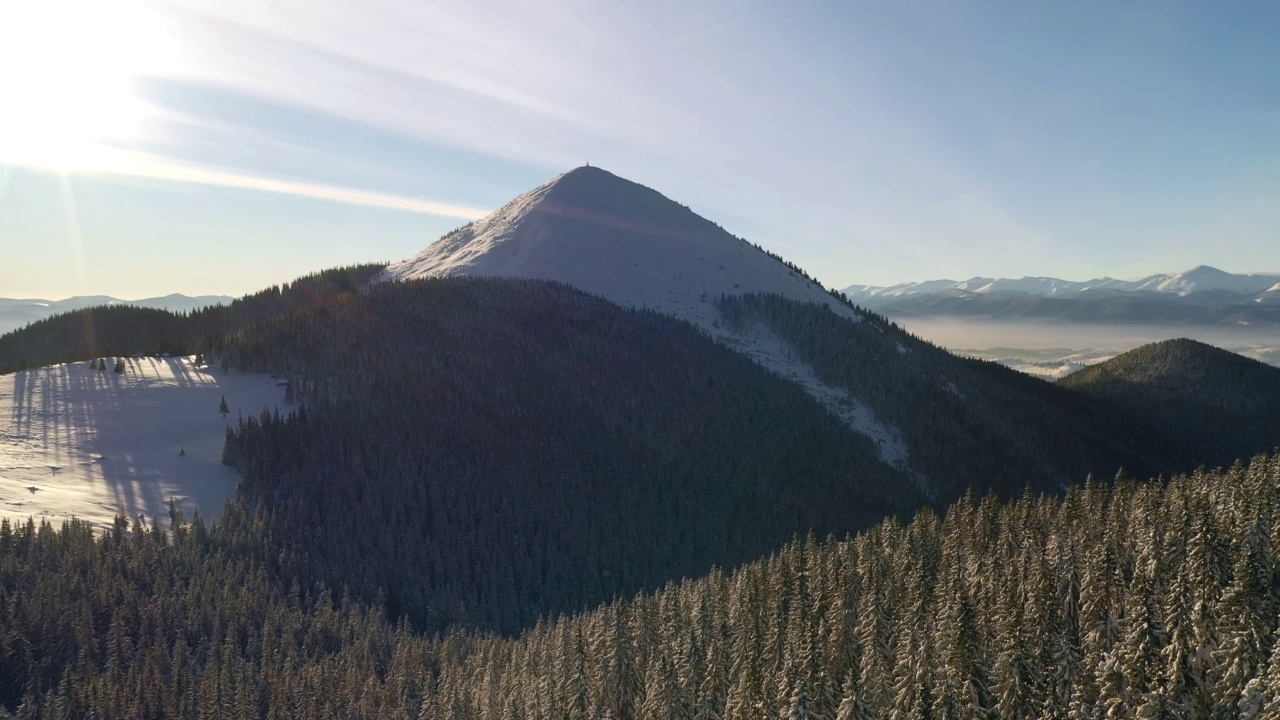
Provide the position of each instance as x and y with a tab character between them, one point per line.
775	354
76	442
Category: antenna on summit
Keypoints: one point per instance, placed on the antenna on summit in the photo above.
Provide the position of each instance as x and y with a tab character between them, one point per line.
588	163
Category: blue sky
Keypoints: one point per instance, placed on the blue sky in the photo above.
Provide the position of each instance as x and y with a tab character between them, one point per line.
218	147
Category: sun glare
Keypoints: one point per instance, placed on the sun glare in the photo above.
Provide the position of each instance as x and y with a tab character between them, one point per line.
67	75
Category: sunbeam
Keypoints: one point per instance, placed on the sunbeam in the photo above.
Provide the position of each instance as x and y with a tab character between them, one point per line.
67	75
73	228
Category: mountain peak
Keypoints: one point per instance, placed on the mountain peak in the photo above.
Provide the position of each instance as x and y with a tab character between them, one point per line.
586	178
617	239
1204	271
587	171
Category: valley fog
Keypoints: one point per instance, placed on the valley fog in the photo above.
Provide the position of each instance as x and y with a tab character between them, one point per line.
1049	341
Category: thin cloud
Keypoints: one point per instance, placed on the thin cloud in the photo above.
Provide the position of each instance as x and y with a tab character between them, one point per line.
110	161
724	92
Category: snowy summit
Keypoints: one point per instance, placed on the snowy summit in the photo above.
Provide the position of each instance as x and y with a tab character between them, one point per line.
617	239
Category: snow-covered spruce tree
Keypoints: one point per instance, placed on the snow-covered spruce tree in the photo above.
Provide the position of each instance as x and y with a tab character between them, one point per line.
951	618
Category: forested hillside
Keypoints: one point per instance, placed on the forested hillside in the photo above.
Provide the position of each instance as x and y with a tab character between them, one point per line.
1224	404
104	330
1134	600
967	423
486	452
483	453
117	330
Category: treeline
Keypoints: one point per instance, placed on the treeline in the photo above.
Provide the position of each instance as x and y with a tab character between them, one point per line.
123	330
101	331
1137	600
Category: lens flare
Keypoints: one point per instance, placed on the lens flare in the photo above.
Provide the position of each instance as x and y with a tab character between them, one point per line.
67	74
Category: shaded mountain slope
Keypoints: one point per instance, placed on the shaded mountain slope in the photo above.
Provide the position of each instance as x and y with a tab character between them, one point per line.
968	423
1224	405
486	452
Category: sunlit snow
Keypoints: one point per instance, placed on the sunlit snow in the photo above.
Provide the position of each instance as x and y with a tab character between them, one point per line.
75	441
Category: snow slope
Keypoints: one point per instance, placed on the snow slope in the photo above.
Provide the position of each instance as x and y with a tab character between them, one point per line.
629	244
1205	278
84	443
612	237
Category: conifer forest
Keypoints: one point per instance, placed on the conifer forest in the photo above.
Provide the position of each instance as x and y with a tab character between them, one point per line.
1132	600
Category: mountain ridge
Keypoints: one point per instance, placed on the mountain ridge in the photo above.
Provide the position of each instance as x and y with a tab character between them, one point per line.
1202	278
1203	295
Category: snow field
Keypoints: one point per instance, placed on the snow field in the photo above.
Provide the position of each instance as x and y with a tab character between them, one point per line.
78	442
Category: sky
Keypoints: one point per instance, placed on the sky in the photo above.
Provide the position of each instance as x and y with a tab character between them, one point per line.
218	147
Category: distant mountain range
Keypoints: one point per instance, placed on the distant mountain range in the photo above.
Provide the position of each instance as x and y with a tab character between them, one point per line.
16	313
1201	296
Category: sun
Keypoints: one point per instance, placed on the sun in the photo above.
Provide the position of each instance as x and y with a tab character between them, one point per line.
68	70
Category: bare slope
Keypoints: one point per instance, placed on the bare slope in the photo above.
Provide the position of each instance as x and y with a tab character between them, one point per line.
630	244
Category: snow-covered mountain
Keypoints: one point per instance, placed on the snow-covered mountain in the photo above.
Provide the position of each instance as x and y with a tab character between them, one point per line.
617	239
1194	281
1202	295
629	244
16	313
1197	280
